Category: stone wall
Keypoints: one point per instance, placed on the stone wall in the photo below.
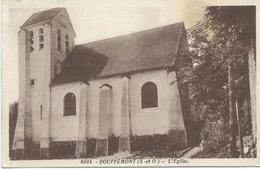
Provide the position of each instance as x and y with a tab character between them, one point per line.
148	117
168	116
62	125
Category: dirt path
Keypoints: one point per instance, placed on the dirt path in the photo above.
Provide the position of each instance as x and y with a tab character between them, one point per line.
192	152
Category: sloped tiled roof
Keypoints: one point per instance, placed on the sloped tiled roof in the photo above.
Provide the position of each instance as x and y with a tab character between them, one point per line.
42	16
145	50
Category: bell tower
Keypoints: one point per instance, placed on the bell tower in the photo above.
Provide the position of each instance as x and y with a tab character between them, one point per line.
44	41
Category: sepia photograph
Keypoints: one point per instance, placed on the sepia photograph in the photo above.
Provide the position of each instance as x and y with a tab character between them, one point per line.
128	83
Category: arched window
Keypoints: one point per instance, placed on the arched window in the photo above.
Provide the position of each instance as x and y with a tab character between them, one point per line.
31	41
59	39
41	38
149	95
67	44
69	104
41	31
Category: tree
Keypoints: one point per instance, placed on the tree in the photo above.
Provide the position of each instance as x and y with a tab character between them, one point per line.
13	113
209	72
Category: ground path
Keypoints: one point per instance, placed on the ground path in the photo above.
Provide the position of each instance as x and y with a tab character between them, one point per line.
192	152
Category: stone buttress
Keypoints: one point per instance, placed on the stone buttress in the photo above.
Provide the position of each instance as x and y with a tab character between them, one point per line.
177	130
104	122
23	131
82	129
124	141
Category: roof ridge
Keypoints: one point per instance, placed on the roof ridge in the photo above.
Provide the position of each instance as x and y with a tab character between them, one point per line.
45	10
177	23
39	12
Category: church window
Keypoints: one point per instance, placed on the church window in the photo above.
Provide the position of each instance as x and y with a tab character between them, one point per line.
31	41
59	39
149	95
41	38
41	112
32	82
67	44
69	104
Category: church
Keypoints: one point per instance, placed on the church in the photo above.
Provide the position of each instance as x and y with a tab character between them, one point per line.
120	94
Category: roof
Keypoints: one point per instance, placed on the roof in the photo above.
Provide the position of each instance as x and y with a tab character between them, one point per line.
42	16
145	50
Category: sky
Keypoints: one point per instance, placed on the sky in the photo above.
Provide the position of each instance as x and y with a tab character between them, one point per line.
92	20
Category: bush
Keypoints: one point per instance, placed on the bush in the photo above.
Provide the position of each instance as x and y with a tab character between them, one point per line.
246	127
215	138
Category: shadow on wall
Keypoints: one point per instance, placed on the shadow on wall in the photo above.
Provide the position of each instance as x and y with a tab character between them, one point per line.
80	65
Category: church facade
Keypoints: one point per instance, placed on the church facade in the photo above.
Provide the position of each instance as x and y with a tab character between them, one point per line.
102	97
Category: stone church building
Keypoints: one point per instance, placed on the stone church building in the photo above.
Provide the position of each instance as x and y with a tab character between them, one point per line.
114	95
